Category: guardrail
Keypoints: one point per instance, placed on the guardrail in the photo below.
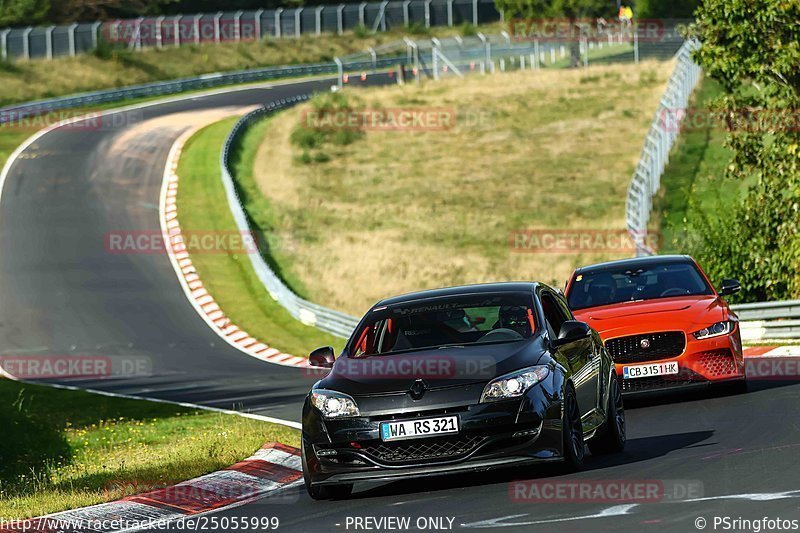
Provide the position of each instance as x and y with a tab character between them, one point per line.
329	320
769	320
207	81
657	145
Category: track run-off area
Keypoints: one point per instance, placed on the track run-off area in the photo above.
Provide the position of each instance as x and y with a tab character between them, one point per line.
61	292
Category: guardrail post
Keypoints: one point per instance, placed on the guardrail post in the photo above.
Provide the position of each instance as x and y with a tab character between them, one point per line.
428	13
217	32
487	56
318	19
412	46
71	39
374	57
26	43
159	37
237	25
257	20
48	42
176	28
95	31
4	44
340	19
474	12
297	12
196	24
278	28
362	8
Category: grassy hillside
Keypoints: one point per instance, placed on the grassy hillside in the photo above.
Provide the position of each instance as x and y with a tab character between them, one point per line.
23	81
367	214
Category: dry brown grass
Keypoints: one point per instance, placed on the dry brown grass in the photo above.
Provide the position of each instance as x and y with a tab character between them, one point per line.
401	211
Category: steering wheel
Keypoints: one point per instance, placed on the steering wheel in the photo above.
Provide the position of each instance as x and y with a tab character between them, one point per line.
500	334
674	291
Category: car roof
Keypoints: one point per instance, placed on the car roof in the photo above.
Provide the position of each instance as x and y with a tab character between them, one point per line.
526	287
636	262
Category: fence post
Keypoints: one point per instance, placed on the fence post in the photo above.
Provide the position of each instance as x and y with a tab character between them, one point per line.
4	44
450	13
278	28
159	37
217	32
636	45
95	30
318	15
362	8
237	25
138	44
340	71
196	24
297	12
474	12
71	39
406	14
176	28
537	59
382	16
257	20
340	19
48	42
428	13
26	44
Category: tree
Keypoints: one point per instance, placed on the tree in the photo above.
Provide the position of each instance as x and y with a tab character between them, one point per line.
22	12
752	47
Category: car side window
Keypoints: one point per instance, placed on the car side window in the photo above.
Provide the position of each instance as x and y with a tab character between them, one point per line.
564	307
553	314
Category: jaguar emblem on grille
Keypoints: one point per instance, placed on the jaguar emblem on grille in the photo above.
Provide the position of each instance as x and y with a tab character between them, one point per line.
417	390
644	343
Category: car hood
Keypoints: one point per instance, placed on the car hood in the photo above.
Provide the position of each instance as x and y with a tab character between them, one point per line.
439	369
685	313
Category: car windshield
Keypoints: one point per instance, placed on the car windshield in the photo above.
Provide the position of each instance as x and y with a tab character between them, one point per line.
603	287
445	322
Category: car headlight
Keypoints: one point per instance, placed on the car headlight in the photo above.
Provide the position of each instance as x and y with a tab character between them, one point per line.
514	384
334	404
715	330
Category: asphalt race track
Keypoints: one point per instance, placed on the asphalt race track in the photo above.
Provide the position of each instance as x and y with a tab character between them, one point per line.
61	292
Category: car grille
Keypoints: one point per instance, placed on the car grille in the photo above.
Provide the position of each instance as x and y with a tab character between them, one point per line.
426	449
663	344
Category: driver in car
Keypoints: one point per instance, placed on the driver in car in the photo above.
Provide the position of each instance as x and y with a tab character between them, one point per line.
515	318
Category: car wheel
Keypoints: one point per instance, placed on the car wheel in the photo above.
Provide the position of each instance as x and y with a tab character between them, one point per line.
324	492
572	431
611	437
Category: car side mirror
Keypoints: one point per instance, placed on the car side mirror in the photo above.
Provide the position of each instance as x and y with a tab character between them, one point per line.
729	286
322	357
571	331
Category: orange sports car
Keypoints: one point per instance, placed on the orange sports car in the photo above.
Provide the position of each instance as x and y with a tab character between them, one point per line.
662	321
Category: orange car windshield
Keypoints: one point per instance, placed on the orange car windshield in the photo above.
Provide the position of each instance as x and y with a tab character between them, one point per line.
604	287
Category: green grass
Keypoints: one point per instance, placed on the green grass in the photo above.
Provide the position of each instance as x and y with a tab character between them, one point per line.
230	278
65	449
693	183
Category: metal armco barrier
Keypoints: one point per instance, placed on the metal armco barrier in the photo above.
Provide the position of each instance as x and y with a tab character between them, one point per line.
657	145
769	320
236	26
334	322
206	81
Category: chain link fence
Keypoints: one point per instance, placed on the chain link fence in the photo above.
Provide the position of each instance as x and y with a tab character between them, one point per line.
192	29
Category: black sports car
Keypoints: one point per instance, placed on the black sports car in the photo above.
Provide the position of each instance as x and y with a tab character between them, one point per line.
456	380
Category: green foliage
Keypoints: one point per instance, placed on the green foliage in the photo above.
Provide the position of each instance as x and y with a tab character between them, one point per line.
417	28
361	32
316	129
22	12
468	30
752	48
572	9
676	9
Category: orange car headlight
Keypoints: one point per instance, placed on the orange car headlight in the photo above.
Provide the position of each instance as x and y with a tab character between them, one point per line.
715	330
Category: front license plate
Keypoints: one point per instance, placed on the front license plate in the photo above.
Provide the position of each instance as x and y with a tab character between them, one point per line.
648	371
424	427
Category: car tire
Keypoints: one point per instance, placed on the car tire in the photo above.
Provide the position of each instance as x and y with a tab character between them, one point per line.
611	437
572	431
324	492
